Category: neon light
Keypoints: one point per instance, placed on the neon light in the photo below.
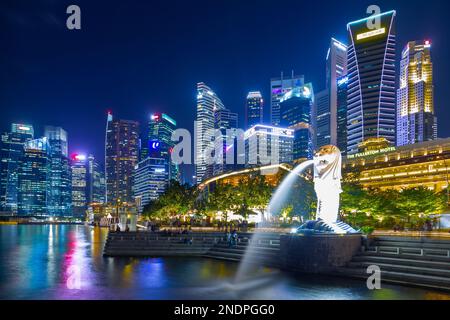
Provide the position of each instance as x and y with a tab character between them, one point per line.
166	117
342	81
24	128
370	34
371	17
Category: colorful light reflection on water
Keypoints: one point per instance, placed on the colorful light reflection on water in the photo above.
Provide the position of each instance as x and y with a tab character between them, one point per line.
37	261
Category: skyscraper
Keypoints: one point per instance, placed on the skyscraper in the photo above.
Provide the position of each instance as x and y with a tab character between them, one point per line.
96	182
121	156
296	114
278	88
326	100
79	185
266	145
60	181
341	142
207	104
158	143
151	178
371	80
227	122
254	109
34	178
11	153
416	121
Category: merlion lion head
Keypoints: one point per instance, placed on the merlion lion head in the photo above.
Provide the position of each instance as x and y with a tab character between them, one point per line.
327	163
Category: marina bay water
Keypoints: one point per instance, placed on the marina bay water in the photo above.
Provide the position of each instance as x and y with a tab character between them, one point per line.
38	261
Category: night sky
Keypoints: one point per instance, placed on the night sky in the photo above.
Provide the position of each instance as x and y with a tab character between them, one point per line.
137	57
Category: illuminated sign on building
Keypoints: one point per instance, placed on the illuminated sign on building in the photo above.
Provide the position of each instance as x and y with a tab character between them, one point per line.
370	152
370	34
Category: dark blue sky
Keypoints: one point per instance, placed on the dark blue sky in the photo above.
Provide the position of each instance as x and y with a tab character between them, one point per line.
135	57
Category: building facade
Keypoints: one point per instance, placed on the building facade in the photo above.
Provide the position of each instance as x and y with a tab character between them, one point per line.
121	156
79	185
151	179
425	164
254	109
297	114
34	179
327	100
11	153
341	106
416	121
159	144
60	181
226	122
278	88
266	145
96	182
371	99
208	103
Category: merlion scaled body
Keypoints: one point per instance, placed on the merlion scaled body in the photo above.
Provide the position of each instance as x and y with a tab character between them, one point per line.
327	182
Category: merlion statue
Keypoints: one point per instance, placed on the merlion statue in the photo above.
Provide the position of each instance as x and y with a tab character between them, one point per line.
327	182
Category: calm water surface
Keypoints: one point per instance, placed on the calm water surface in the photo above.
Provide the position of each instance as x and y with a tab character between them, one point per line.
37	262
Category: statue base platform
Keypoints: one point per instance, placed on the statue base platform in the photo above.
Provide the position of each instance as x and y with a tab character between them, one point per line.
320	227
318	252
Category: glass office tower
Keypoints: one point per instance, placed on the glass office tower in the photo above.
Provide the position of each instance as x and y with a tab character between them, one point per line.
371	99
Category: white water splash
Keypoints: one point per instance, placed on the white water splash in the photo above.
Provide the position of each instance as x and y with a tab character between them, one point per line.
276	203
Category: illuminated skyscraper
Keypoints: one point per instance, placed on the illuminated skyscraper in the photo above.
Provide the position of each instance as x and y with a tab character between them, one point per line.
278	88
207	104
79	184
227	122
11	153
296	114
415	105
326	100
96	182
341	106
254	109
34	178
151	178
371	80
121	156
158	142
60	181
266	145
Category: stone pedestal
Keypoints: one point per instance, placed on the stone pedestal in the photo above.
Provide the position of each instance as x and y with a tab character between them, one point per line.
317	253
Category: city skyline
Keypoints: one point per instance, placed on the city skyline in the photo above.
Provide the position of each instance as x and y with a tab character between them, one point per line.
84	125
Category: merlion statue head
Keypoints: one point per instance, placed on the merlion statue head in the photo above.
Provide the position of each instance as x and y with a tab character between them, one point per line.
327	163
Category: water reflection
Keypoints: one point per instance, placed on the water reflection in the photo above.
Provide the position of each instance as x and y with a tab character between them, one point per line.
37	262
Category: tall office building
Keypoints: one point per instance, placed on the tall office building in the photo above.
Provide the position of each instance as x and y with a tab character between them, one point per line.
227	122
34	188
322	116
416	121
207	104
158	142
266	145
371	100
60	182
96	182
11	153
326	100
121	156
296	114
278	88
151	178
254	109
341	142
79	185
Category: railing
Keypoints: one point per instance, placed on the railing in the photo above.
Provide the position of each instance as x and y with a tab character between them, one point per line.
422	252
